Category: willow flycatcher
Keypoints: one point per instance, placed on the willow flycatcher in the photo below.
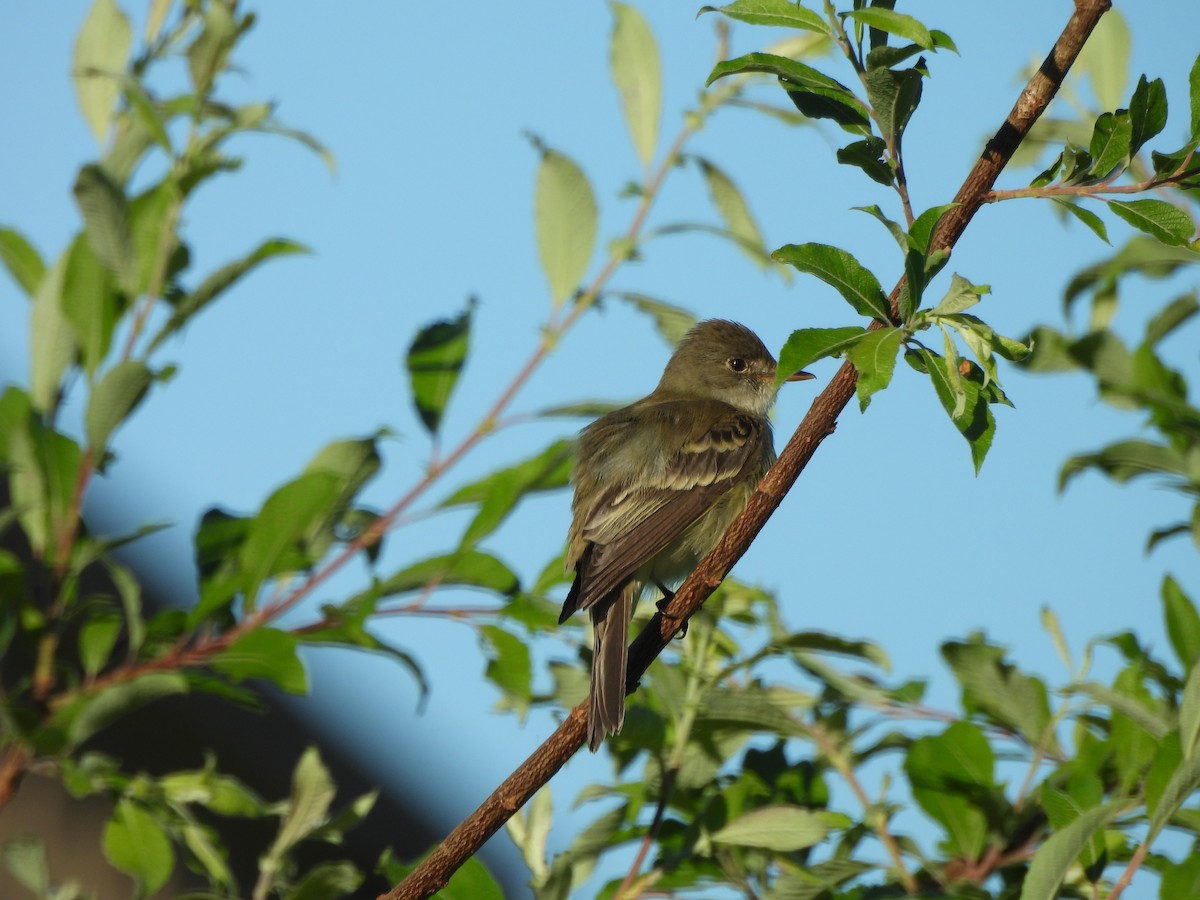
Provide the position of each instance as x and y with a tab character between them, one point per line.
656	485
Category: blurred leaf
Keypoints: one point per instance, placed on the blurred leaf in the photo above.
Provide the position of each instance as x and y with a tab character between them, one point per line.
1157	218
1059	853
1183	623
469	568
874	357
220	281
781	828
566	218
265	653
807	345
633	58
734	210
1147	111
22	260
895	23
106	215
51	338
1000	690
100	53
783	13
843	272
434	361
672	322
25	859
815	94
1104	60
113	399
137	845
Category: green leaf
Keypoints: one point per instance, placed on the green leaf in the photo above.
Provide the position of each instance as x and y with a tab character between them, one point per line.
952	774
91	302
1084	215
1147	111
1183	623
734	211
565	215
138	846
783	13
782	828
895	23
509	666
841	271
465	568
275	540
498	493
52	340
815	94
23	262
1194	97
100	53
867	155
875	359
434	361
894	96
1058	854
306	810
807	345
671	321
106	214
209	51
25	859
113	399
265	653
1157	218
633	57
219	281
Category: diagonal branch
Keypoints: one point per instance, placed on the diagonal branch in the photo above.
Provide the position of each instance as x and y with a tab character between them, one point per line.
470	834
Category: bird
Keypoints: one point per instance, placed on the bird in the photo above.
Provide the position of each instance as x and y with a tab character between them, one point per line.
656	484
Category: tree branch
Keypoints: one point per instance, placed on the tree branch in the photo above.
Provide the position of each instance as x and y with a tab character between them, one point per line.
466	839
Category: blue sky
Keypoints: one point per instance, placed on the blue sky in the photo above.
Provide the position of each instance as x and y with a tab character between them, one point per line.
426	113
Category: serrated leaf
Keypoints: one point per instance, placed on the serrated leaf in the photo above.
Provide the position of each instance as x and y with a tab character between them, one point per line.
220	281
634	63
138	846
782	828
841	271
899	24
434	361
874	357
807	345
565	216
99	62
782	13
106	216
734	210
265	653
113	399
1157	218
23	262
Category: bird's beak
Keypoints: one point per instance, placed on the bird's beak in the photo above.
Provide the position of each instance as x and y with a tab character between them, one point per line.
801	376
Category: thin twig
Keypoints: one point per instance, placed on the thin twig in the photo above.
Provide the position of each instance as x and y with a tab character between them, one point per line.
465	840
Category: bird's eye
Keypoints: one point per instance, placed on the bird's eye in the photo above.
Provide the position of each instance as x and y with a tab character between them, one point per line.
737	364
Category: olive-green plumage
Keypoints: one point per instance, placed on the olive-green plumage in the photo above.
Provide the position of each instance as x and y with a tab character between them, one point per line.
656	485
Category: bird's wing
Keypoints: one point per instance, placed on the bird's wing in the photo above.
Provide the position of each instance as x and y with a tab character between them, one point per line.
629	523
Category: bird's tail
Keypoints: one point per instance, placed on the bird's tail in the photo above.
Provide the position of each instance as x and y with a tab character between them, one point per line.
610	631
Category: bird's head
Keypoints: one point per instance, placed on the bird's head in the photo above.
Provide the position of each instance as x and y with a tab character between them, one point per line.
722	360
